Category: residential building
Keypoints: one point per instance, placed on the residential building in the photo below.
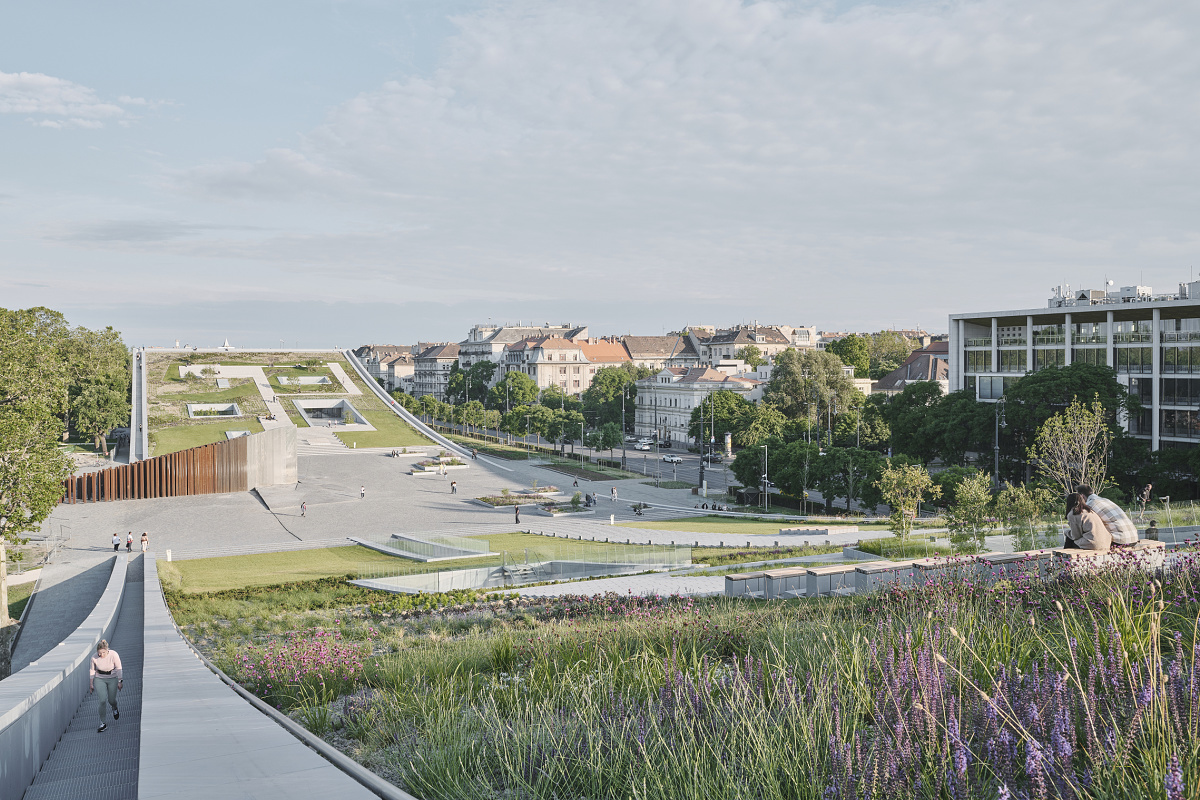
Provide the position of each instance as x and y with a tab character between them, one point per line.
724	343
399	372
431	371
569	364
801	338
930	363
665	400
657	352
488	342
1152	341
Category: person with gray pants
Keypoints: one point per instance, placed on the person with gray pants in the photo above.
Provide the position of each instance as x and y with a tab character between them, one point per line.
106	670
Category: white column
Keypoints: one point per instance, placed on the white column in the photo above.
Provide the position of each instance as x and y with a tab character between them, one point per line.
956	354
1029	343
1108	350
995	346
1155	372
1067	340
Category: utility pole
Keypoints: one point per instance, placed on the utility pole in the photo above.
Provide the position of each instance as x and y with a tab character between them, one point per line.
765	482
623	390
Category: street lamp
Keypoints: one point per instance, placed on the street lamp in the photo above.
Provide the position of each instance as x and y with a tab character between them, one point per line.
765	482
999	422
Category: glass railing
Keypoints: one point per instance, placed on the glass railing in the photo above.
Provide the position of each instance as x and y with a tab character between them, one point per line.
1012	342
1089	338
1125	337
979	342
1050	338
1181	336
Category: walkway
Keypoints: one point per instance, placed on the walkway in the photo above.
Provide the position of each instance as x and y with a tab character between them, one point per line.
68	592
103	766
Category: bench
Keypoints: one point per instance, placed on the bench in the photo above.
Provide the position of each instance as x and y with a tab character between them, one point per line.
746	584
822	581
1147	555
877	575
785	584
940	568
1003	566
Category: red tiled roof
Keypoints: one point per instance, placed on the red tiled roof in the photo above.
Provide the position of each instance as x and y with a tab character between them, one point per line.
604	352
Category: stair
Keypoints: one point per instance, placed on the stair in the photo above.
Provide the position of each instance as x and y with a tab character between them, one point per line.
103	766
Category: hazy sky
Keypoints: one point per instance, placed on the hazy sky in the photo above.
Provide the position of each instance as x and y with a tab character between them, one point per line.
332	173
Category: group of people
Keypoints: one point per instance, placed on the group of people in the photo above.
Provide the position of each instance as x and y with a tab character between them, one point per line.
714	506
116	542
1094	523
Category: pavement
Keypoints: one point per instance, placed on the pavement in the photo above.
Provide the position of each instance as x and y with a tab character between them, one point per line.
69	591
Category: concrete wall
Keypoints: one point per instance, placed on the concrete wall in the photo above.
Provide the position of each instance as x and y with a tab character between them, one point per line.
271	457
37	703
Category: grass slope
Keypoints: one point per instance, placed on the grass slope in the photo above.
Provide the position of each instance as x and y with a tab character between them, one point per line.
183	437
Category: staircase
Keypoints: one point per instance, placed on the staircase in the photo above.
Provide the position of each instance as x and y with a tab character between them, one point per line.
103	766
318	441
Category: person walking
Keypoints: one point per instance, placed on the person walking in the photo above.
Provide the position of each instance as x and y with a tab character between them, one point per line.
453	487
1116	521
517	511
145	541
362	493
614	494
116	542
129	543
106	670
304	509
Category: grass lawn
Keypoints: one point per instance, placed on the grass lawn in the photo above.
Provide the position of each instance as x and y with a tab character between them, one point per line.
182	437
490	448
267	569
670	484
390	430
916	547
18	597
736	527
230	395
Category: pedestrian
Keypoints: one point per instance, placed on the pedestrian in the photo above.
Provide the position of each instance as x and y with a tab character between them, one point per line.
106	670
362	493
1116	521
453	487
116	542
576	483
304	509
129	543
145	541
614	494
517	511
474	454
1085	529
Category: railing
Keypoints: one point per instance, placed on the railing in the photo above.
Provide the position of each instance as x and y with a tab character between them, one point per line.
1049	338
1127	337
1090	338
979	342
1013	342
1181	336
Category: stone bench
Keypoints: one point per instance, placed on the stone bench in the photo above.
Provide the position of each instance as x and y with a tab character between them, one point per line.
940	568
877	575
1022	564
746	584
824	581
1147	554
786	584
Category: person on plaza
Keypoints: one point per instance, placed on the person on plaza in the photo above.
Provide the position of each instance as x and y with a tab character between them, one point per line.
576	483
517	511
145	541
474	454
129	543
362	493
304	509
106	670
1085	528
614	494
1144	498
1116	521
453	487
116	542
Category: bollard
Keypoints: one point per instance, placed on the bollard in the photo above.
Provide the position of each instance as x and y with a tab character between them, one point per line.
612	519
168	555
356	445
722	543
747	544
777	543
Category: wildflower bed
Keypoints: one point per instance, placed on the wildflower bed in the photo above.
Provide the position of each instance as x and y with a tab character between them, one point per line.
1079	686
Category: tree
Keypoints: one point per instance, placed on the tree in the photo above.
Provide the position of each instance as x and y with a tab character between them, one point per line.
907	413
889	349
515	421
846	472
555	397
806	384
1071	448
854	351
904	487
606	437
1020	506
716	415
1033	399
753	356
603	398
406	401
514	389
969	512
471	384
958	424
542	423
951	480
758	423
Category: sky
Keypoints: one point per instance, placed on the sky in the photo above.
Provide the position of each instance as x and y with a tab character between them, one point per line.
335	173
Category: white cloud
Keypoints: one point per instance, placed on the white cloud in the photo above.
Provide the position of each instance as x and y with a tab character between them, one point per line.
51	102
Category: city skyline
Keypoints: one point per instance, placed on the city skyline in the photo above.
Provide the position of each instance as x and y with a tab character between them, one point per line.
334	174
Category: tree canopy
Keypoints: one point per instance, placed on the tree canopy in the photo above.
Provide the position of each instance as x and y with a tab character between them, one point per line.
752	355
808	382
854	351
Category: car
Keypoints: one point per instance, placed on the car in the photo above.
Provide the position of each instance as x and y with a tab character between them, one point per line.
672	459
641	446
664	444
713	458
631	438
644	440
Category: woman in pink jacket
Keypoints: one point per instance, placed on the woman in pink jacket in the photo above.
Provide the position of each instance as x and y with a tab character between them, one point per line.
106	670
1086	528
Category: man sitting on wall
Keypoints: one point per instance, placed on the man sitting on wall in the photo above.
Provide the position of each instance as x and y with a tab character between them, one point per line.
1119	525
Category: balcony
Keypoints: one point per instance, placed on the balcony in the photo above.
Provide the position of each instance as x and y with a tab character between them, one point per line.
987	342
1181	336
1013	342
1089	338
1049	339
1135	337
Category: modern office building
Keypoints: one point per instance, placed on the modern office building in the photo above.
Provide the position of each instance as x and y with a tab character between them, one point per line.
1151	340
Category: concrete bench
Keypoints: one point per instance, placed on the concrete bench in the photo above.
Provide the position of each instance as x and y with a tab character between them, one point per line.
941	568
1146	555
746	584
877	575
785	584
824	581
1022	564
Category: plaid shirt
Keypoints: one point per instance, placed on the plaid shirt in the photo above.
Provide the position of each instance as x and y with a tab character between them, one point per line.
1118	524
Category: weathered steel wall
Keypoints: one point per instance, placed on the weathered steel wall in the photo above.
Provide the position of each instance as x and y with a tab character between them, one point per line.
236	465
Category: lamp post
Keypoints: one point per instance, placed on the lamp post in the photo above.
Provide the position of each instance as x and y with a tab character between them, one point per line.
624	389
999	422
766	495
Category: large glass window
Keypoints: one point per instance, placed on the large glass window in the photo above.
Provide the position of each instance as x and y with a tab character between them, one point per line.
1134	359
1180	424
1089	333
1043	359
1132	330
1089	355
970	383
1181	330
1178	392
979	361
1140	423
1181	359
1012	361
1142	389
1049	334
991	388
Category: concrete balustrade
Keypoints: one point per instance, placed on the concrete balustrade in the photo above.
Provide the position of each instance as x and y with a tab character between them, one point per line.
38	702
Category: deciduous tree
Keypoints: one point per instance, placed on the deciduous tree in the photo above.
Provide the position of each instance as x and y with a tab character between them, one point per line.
905	487
1072	448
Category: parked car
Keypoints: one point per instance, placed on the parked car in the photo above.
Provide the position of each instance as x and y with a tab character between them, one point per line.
641	446
672	459
713	458
664	444
631	438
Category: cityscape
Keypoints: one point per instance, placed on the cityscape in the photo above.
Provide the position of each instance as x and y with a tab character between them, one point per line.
506	399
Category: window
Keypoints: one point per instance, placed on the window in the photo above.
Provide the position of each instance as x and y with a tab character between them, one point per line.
576	370
1181	359
990	388
979	361
1180	424
562	370
1132	330
1175	391
1012	361
1044	359
576	384
1133	359
1096	356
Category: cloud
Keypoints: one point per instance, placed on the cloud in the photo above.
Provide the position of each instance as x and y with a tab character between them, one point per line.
136	231
51	102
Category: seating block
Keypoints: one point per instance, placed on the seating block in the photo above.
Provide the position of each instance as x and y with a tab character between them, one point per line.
875	575
821	581
785	584
1147	554
745	584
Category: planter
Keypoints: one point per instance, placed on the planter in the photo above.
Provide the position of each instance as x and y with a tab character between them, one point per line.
435	470
542	512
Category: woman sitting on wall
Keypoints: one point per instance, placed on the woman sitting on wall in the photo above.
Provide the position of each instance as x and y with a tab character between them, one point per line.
1086	530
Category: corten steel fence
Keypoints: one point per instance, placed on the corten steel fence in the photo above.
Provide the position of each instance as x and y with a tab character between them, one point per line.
209	469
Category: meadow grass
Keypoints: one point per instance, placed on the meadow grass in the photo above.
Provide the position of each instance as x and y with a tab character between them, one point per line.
18	597
390	430
182	437
731	525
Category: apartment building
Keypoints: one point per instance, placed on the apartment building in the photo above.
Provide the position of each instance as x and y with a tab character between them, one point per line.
1151	340
431	372
665	400
488	342
658	352
724	343
569	364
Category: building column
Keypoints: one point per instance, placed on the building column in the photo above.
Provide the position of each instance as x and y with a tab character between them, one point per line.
995	346
1067	340
956	354
1155	372
1029	344
1109	355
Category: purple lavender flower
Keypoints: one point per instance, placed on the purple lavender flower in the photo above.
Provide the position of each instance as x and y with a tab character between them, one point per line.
1174	779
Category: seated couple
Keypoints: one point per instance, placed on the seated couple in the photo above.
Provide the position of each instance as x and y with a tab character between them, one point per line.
1094	523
